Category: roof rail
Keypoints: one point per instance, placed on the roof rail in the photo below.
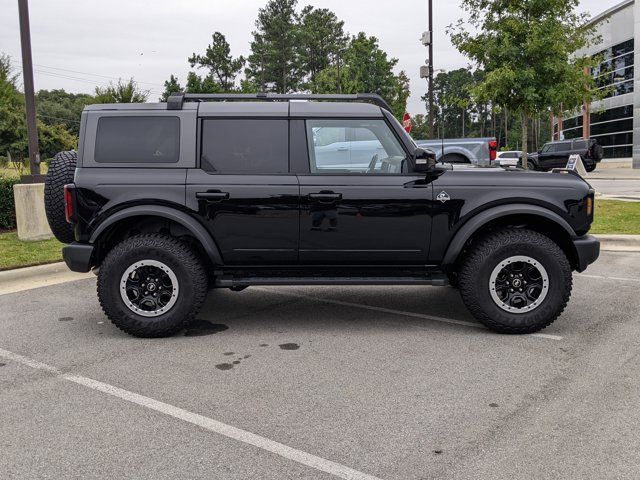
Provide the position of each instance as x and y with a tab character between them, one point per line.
176	100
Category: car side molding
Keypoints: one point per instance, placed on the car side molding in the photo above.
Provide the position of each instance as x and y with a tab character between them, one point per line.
199	232
478	221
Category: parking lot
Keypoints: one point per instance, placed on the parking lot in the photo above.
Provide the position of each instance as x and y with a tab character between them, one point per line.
335	382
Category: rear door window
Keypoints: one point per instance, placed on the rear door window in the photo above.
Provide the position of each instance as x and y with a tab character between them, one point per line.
138	140
239	146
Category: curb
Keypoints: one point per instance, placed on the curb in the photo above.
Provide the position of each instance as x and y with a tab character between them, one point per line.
20	279
619	243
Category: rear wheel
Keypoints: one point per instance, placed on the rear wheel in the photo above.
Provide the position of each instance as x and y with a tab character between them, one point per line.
152	285
516	281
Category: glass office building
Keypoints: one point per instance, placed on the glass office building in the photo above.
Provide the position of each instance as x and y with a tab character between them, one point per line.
614	121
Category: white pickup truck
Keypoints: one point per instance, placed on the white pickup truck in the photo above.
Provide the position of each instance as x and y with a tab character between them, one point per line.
477	151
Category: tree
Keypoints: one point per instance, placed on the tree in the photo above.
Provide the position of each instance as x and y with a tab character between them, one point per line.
527	50
366	68
217	59
273	63
57	107
121	92
13	123
170	86
321	41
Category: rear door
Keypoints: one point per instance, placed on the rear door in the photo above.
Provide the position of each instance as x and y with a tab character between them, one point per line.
371	211
243	190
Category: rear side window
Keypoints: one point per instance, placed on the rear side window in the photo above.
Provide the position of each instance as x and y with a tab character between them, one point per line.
237	146
563	147
580	145
138	140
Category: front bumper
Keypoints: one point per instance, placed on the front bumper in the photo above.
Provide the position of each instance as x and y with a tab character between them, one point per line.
78	256
587	251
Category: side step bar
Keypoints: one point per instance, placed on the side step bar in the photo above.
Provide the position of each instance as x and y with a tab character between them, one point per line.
439	280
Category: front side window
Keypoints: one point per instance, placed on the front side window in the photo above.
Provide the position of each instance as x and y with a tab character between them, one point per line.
239	146
138	140
354	147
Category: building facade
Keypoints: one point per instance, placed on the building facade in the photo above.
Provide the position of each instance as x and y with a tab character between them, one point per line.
614	121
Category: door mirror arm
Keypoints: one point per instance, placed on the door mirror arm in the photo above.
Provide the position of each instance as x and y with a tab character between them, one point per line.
425	162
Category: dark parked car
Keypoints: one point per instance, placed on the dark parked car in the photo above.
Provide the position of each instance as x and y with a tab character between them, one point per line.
556	154
166	201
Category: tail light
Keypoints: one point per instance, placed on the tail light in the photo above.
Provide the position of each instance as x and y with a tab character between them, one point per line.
493	150
69	202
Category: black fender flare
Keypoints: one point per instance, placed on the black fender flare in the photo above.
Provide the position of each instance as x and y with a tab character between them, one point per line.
478	221
199	232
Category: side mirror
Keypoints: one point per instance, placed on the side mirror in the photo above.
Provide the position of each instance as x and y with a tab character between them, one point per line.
425	160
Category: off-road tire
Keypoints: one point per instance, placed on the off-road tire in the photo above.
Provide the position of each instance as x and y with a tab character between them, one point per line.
487	253
61	171
591	167
180	258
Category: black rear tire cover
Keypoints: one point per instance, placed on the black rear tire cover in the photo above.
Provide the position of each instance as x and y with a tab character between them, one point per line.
61	171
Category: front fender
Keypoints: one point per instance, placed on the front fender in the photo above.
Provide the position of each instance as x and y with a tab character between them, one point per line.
474	224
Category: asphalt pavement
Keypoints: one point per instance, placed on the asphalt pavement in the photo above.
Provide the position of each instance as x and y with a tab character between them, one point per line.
324	382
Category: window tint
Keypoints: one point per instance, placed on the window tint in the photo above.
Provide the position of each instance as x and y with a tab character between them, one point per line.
549	147
138	140
359	146
563	147
580	145
236	146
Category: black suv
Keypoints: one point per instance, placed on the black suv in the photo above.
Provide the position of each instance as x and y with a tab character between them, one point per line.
166	201
556	154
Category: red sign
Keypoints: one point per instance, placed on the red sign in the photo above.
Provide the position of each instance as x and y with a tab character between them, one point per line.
407	123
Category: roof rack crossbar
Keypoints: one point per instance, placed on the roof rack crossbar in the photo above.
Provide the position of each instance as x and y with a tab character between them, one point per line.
176	100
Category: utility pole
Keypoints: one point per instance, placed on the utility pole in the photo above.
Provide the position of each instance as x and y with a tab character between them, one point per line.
431	119
29	93
427	70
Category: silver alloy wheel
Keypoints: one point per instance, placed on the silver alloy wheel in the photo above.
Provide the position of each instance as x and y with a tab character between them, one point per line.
519	284
149	288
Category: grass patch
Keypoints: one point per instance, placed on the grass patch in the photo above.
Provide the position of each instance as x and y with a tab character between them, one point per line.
14	253
616	217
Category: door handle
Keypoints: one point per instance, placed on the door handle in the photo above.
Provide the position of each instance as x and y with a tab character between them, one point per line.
325	197
343	149
212	196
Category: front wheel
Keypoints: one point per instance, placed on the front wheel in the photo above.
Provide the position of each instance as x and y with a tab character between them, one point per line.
152	285
516	281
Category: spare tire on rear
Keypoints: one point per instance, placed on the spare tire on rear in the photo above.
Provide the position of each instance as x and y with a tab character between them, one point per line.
61	171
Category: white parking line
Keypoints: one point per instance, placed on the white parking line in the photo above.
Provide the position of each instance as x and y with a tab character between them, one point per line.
396	312
210	424
601	277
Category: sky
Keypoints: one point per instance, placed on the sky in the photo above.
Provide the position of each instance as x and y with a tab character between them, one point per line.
79	44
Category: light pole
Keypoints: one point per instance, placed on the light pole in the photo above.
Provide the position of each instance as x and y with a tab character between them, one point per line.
426	71
29	94
431	122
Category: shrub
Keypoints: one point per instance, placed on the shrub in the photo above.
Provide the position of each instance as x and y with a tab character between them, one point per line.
7	203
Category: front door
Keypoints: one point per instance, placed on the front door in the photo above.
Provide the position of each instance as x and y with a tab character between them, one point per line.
244	192
368	211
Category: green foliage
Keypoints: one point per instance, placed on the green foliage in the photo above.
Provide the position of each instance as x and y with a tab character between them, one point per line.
321	41
222	67
527	51
13	125
121	92
7	204
171	86
57	107
273	63
365	68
